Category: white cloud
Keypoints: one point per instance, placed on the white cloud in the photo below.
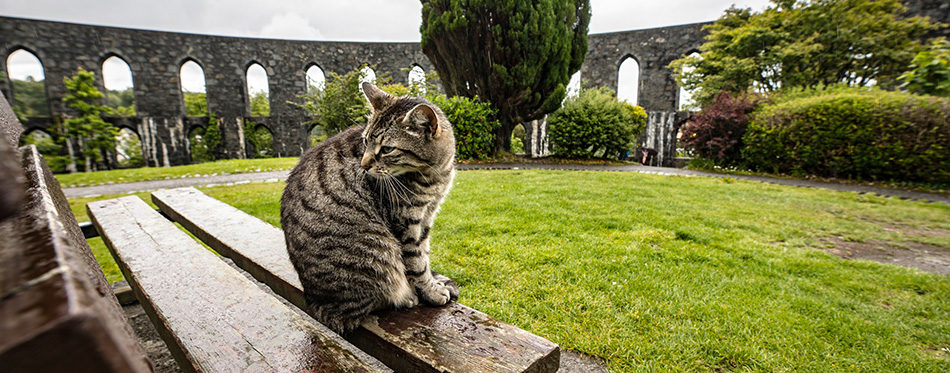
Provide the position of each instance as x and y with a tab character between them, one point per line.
290	26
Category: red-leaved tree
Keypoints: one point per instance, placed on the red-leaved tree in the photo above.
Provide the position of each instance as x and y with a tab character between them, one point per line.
716	132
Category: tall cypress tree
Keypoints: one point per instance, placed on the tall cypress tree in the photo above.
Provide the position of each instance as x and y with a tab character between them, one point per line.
518	55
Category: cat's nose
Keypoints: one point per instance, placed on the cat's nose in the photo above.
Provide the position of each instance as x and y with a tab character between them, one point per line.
365	166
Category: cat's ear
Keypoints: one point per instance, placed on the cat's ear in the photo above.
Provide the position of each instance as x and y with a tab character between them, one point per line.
376	97
423	115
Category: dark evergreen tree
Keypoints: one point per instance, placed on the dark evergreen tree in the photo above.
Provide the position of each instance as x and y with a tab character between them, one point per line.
518	55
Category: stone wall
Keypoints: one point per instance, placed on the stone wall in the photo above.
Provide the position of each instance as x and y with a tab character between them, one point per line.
156	57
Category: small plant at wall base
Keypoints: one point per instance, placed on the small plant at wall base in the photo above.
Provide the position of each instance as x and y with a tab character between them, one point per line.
715	133
95	137
204	141
594	124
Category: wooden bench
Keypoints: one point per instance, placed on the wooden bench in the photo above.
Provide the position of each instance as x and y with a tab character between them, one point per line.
57	311
211	316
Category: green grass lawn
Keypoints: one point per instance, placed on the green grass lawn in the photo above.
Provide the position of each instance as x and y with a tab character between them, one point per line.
233	166
665	273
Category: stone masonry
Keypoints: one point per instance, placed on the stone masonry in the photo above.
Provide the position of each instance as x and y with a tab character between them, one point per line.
155	59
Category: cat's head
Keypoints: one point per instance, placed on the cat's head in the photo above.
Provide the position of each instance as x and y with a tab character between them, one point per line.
405	134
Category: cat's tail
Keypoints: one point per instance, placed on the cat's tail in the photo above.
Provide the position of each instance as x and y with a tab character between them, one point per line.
342	317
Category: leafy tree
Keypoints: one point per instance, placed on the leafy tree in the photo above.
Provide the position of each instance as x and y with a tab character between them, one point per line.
930	72
260	105
95	137
29	97
715	134
338	105
527	52
122	102
803	43
196	104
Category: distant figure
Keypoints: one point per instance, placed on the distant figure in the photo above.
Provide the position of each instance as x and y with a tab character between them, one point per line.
649	156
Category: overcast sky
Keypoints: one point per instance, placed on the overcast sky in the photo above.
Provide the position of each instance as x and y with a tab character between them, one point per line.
336	20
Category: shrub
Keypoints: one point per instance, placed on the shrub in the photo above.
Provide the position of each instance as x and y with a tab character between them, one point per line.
595	124
861	134
715	133
473	123
930	72
339	105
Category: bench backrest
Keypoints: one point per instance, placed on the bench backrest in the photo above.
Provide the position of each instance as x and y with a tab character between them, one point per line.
57	311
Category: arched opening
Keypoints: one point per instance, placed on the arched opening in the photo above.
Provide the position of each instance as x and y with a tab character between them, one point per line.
117	78
367	74
686	100
193	92
316	79
417	81
317	135
574	86
628	81
258	91
260	139
202	142
27	78
517	139
47	146
128	149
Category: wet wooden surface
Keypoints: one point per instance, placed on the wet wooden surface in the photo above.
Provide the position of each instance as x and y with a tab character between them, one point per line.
57	312
211	317
453	338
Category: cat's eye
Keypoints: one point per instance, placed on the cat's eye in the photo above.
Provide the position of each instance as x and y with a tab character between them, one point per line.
386	149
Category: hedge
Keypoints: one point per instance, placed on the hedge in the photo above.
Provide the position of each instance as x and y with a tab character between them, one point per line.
873	135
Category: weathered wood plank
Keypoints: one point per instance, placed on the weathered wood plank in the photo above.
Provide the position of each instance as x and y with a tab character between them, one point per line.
211	317
57	311
451	338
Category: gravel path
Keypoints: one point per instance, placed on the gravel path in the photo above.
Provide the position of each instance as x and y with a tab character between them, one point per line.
274	176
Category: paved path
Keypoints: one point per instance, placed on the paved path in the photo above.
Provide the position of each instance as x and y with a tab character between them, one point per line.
274	176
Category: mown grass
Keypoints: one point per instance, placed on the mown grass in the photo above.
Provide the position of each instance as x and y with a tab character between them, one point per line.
233	166
662	273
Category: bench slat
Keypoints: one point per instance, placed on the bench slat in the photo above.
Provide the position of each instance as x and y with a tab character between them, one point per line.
450	338
57	311
211	317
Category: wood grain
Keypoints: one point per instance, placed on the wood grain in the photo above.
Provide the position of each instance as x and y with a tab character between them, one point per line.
212	318
451	338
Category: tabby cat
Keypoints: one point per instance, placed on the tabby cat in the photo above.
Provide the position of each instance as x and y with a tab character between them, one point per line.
358	207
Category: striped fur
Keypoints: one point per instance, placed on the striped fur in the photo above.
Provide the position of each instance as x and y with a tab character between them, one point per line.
358	208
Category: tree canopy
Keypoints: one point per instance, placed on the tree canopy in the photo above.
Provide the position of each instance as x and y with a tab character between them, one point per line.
517	55
804	43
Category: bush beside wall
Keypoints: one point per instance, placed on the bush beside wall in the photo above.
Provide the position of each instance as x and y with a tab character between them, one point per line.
867	135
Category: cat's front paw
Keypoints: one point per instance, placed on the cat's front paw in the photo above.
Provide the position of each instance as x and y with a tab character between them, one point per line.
435	294
449	283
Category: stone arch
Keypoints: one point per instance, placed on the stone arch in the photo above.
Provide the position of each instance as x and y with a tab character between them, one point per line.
257	89
628	79
193	87
315	76
33	96
261	141
684	97
417	75
119	90
574	85
317	134
128	148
